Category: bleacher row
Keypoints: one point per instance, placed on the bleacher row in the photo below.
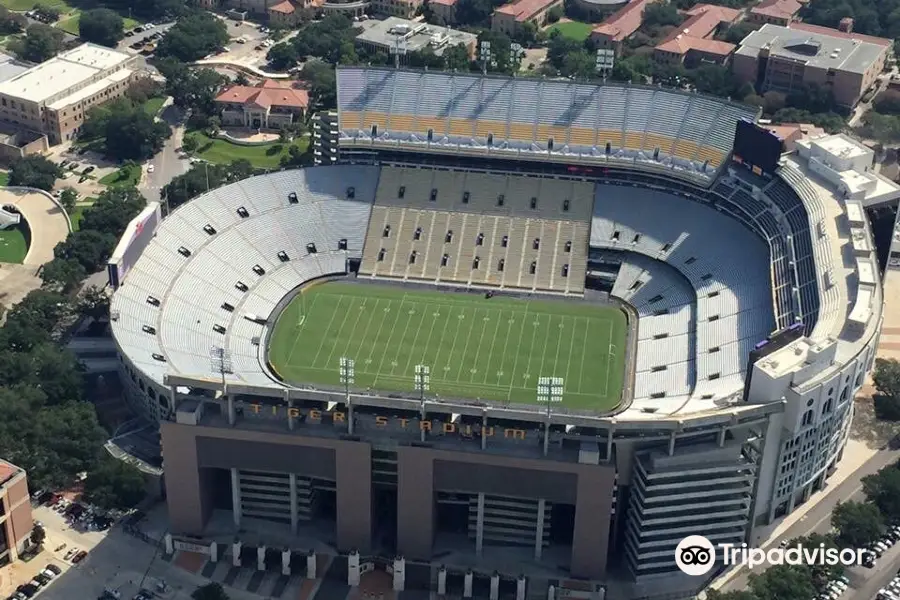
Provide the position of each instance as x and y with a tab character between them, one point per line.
476	229
539	115
209	265
725	265
778	213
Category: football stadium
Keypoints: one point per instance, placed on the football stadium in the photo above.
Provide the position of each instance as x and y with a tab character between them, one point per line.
526	334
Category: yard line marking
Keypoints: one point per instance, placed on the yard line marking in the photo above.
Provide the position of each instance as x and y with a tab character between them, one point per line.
337	337
327	330
512	375
608	360
400	346
571	357
447	322
480	343
427	340
540	372
562	321
297	339
587	334
365	336
474	320
360	309
489	363
388	345
374	342
457	327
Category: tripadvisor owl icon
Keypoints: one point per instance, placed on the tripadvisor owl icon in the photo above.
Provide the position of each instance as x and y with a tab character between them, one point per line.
695	555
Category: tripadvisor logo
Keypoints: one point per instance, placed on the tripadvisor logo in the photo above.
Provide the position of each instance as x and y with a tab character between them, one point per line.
695	555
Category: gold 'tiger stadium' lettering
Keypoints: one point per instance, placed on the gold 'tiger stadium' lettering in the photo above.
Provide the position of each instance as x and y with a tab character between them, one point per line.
315	416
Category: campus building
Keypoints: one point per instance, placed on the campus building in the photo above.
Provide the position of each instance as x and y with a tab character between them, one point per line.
15	512
619	26
785	59
54	97
510	18
269	105
393	34
693	42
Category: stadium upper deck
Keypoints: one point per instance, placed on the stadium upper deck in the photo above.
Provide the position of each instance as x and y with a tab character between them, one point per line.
690	135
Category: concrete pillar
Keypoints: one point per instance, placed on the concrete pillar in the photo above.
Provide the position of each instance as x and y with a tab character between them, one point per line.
292	482
722	432
467	584
214	552
236	497
311	565
479	525
539	530
261	558
609	444
170	545
232	414
353	573
291	419
547	436
399	574
671	443
484	432
551	593
520	588
286	562
442	581
495	586
236	554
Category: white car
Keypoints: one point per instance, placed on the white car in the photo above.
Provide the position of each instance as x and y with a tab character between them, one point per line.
150	168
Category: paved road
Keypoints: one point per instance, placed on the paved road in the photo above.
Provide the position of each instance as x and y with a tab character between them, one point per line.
167	164
818	520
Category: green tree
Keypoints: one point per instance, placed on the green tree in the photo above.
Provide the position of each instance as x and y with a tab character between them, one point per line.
713	79
322	83
63	275
887	382
475	12
38	535
774	101
635	68
283	56
101	26
189	144
48	12
93	302
11	22
326	39
41	42
194	182
456	58
114	484
858	524
67	198
210	591
191	88
132	134
735	595
737	32
193	37
660	14
555	14
883	490
34	171
783	582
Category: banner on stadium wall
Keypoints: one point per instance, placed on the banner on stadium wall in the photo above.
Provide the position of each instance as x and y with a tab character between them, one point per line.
132	244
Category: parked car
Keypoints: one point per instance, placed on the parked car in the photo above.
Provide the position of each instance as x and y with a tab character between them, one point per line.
69	555
53	569
79	557
88	170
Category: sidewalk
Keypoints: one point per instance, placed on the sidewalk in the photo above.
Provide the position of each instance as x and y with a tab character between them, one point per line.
856	453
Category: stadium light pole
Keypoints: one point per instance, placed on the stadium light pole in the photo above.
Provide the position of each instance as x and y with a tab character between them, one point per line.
220	362
549	390
347	372
423	378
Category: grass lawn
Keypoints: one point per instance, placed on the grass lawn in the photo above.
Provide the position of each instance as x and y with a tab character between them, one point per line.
223	152
124	177
70	25
152	106
13	246
30	4
4	178
492	349
77	215
574	30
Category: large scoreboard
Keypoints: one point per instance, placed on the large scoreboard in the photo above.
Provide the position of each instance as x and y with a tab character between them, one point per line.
757	148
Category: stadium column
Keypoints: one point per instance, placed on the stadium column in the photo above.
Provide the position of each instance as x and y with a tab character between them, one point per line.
593	507
292	481
236	496
415	502
479	525
353	476
539	533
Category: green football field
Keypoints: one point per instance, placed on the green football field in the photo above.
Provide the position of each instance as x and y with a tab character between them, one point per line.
492	349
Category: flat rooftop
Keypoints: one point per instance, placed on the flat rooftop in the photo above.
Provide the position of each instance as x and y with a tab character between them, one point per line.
7	470
63	72
842	146
413	36
10	67
813	48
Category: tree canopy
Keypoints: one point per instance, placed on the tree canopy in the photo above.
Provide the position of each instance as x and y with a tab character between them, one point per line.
873	18
129	133
193	37
858	523
194	182
114	484
210	591
101	26
35	171
191	88
149	10
41	42
883	490
11	22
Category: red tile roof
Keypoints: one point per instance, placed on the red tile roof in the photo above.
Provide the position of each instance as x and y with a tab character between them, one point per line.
692	34
269	93
624	21
523	10
283	7
783	9
840	34
684	44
